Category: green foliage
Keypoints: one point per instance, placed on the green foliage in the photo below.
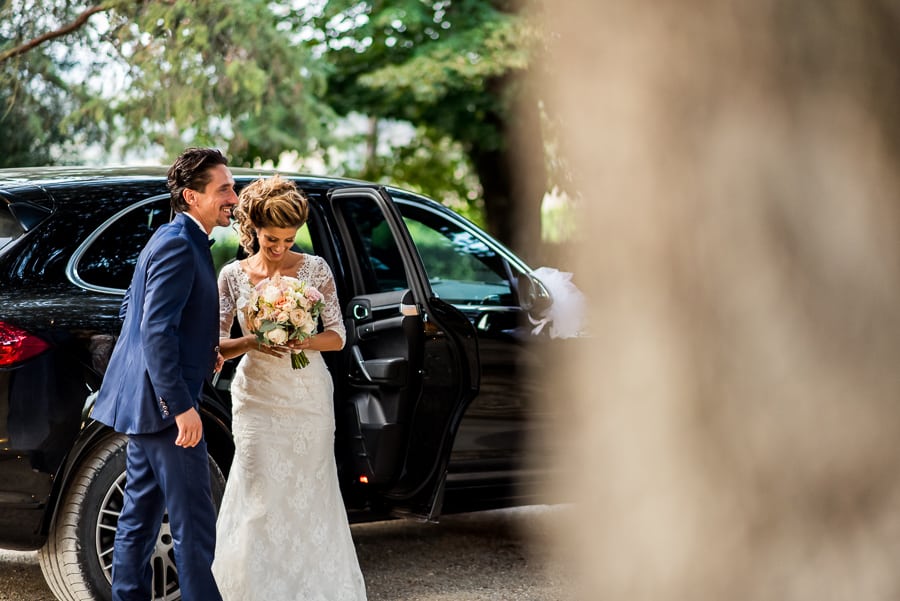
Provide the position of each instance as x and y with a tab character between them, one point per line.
37	99
232	78
435	64
258	78
455	70
427	163
177	72
435	166
448	68
22	120
459	63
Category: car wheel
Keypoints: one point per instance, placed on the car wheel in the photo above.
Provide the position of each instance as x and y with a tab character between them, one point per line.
77	557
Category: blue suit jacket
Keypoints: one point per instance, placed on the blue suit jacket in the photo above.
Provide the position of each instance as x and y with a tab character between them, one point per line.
167	346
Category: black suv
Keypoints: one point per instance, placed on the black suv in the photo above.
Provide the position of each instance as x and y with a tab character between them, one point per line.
431	402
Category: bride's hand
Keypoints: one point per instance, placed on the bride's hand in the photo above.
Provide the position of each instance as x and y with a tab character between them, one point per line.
300	345
275	351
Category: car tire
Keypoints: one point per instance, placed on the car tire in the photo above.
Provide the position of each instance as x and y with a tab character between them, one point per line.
77	558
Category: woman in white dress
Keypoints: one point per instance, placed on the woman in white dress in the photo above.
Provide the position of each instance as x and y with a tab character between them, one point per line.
282	530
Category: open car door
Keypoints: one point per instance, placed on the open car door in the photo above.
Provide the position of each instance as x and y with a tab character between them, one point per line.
412	361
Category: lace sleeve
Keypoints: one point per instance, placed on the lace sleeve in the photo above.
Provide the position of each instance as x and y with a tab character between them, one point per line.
324	280
227	300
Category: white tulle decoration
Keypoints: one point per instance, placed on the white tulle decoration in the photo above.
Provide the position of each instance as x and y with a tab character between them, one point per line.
565	315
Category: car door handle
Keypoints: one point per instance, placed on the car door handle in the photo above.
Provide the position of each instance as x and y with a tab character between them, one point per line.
369	329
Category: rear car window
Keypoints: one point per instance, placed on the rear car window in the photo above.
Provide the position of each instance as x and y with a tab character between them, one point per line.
9	225
110	258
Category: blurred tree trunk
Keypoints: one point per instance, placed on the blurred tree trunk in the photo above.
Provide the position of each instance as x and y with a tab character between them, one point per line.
739	400
514	176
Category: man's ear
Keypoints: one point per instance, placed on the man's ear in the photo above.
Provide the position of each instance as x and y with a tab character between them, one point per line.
188	195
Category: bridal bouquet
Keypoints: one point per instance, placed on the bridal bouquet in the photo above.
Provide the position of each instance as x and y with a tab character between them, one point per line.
281	309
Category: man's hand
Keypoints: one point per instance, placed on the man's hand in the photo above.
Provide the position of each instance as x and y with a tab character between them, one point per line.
220	361
190	428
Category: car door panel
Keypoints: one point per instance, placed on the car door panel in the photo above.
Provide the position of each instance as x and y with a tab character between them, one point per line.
410	374
378	388
468	270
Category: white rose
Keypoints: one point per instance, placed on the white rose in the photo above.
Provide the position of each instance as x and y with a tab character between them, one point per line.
298	317
277	336
271	294
309	324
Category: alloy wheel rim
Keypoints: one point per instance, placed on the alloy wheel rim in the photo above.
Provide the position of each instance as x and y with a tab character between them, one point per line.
162	561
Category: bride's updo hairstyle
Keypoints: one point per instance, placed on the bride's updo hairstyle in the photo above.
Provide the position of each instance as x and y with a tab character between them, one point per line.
269	202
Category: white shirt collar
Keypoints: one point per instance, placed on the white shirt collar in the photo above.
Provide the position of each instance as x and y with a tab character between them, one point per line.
197	221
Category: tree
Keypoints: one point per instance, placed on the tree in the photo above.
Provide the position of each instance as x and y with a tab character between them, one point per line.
455	70
36	101
262	78
170	72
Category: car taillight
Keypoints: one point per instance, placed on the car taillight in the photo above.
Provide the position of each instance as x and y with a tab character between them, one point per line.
17	345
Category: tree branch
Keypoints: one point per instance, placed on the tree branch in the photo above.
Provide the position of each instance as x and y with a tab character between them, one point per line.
78	22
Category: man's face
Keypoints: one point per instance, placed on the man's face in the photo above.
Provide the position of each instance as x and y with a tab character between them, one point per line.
212	205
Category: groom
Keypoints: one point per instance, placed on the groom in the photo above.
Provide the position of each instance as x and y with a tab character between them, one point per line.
152	386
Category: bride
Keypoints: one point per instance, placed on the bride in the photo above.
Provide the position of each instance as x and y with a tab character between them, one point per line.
282	530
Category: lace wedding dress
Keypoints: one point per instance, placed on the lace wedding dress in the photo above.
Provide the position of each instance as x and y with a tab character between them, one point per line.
282	531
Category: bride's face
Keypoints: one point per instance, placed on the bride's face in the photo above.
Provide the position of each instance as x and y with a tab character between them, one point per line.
275	242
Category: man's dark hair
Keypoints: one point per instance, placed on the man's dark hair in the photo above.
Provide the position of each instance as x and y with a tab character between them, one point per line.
191	170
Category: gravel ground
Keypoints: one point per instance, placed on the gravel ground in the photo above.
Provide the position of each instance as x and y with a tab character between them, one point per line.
488	556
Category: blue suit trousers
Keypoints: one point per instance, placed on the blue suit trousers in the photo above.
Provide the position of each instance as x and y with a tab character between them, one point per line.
163	476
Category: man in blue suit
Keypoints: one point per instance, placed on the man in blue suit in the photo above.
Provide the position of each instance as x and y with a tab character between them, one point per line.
151	390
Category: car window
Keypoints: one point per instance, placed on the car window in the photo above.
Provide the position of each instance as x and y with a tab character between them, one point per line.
462	267
9	226
375	247
110	259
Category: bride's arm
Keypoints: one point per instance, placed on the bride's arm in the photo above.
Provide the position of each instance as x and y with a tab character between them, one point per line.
233	347
326	341
230	347
332	339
